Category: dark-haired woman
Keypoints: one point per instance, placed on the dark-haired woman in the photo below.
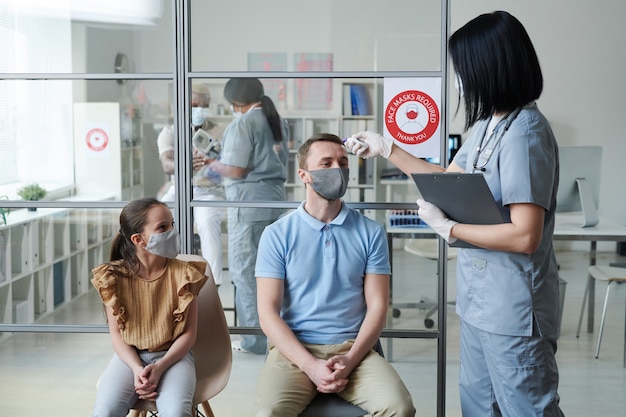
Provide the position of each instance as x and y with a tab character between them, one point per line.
150	300
507	288
253	163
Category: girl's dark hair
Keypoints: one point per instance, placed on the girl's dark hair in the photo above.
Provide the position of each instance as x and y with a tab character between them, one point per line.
303	151
250	90
497	64
133	219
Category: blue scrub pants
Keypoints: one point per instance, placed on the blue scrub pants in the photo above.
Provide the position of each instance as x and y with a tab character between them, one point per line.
116	388
510	376
243	242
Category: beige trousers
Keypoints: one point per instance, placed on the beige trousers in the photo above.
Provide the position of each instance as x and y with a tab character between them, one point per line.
283	390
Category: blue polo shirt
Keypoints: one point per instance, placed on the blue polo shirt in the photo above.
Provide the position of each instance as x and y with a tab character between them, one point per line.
323	266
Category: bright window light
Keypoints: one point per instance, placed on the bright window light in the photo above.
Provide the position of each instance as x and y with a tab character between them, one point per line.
129	12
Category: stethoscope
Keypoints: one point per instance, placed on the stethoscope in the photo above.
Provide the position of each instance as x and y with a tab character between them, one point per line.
485	148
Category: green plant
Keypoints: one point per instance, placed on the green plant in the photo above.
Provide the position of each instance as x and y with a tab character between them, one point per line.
32	192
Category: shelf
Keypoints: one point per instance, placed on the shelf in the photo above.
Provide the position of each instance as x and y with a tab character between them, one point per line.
46	258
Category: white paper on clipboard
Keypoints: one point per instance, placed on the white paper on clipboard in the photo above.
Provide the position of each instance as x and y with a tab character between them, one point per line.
463	197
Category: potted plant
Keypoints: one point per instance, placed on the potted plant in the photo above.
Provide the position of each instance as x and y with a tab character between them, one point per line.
32	192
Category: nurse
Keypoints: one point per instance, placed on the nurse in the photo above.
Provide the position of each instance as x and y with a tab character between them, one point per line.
253	163
507	288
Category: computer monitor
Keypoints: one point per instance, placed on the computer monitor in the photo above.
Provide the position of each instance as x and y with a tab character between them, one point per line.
579	181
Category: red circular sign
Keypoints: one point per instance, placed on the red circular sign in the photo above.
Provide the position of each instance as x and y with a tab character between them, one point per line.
97	140
412	117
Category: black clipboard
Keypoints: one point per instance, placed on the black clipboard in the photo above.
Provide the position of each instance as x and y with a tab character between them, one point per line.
463	197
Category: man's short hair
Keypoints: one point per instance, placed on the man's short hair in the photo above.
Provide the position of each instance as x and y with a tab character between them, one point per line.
303	151
201	88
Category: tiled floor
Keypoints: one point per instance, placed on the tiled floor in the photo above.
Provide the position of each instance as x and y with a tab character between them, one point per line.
55	374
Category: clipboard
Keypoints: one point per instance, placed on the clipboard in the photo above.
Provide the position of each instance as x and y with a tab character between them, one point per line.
463	197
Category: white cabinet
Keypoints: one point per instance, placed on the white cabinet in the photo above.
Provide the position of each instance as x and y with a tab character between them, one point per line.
46	257
107	150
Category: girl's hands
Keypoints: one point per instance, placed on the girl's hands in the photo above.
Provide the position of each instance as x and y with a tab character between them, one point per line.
147	381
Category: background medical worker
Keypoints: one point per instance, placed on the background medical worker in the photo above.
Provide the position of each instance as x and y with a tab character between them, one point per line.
507	289
253	163
208	220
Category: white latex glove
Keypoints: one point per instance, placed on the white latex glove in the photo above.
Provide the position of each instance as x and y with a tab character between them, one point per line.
436	219
369	144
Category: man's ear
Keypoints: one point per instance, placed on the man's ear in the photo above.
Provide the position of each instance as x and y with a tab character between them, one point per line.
305	176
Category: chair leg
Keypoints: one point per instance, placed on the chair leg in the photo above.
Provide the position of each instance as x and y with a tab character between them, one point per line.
207	409
624	340
582	309
606	300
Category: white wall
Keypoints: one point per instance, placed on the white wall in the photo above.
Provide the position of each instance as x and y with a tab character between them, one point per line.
580	48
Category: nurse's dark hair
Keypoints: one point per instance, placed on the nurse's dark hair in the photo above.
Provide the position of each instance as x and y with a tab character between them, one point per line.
250	90
303	151
133	219
497	64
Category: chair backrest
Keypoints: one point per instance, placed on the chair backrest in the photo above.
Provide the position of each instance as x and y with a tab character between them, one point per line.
212	350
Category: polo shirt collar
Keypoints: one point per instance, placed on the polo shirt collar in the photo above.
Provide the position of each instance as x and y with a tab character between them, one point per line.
319	225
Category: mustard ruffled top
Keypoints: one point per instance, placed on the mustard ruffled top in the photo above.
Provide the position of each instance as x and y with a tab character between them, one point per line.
150	314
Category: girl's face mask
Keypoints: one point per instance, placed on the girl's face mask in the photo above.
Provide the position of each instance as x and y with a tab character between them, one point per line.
164	244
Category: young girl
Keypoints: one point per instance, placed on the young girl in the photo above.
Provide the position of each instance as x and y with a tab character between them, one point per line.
150	300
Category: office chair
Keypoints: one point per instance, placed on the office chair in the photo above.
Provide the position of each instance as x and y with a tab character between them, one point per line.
610	274
429	249
212	350
333	405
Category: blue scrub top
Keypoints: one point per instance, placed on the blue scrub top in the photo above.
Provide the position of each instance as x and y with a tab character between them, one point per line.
502	292
249	143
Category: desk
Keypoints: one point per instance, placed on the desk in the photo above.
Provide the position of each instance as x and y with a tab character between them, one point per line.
567	227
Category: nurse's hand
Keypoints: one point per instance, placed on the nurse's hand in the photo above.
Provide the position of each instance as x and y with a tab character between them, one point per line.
436	219
369	144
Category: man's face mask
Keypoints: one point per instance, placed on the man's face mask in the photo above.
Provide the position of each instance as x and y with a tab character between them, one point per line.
199	115
330	183
164	244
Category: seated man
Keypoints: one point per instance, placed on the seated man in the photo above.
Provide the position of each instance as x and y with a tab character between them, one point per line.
323	292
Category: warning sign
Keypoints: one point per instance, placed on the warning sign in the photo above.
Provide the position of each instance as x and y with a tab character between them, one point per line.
412	116
97	140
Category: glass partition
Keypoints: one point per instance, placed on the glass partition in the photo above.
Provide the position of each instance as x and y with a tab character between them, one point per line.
93	140
347	35
72	122
46	258
112	36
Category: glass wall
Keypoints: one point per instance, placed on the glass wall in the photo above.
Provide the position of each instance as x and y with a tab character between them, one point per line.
85	95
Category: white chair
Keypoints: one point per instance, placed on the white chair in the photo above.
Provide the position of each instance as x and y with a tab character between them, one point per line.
609	274
429	249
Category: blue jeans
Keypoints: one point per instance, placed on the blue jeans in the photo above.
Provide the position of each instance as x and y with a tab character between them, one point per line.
510	376
116	388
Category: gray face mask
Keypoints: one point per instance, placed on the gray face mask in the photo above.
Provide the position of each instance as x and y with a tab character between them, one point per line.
330	183
164	244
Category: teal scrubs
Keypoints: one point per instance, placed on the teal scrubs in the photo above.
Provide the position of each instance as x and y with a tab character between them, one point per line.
249	143
509	302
